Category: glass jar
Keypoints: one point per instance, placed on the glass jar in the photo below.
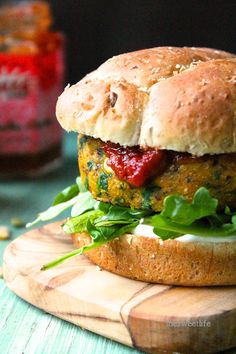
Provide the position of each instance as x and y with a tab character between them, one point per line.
31	78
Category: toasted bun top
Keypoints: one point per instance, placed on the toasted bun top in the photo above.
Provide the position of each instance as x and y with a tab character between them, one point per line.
181	99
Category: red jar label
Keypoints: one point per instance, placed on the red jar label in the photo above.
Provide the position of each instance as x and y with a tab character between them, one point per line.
29	87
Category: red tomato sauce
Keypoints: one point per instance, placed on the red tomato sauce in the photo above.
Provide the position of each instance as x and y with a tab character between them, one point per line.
133	164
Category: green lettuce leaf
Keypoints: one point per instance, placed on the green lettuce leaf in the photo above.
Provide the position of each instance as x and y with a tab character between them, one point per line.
179	210
53	211
199	218
84	202
102	228
104	222
66	194
79	223
74	253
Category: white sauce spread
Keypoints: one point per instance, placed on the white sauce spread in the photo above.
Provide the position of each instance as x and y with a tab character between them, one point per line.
147	230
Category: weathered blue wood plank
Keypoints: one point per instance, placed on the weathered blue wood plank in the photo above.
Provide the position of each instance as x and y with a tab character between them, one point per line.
25	329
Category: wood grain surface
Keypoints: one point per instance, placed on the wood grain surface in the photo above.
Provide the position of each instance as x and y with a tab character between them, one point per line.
153	318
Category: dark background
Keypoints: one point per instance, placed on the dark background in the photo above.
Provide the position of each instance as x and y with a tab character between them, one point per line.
99	29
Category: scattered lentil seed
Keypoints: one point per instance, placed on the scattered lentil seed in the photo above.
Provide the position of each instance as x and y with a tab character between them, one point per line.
17	222
4	232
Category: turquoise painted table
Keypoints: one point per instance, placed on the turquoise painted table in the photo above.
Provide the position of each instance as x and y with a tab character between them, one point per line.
24	328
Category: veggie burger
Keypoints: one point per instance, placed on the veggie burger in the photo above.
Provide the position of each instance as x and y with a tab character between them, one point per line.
156	200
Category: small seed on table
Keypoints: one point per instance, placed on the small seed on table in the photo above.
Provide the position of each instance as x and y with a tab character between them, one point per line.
4	232
17	222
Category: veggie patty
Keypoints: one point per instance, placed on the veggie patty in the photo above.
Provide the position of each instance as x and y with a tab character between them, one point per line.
183	174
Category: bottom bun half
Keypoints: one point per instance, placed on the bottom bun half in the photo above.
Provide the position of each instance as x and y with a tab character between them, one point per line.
169	262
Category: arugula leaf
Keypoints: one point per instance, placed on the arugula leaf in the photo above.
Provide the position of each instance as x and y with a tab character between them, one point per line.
70	192
66	194
101	232
100	236
103	224
179	210
104	221
117	212
78	223
100	229
126	228
74	253
228	211
67	198
199	218
234	220
81	186
140	213
53	211
84	202
166	234
167	229
103	207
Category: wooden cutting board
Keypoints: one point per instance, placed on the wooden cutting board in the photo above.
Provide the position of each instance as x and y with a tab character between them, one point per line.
154	318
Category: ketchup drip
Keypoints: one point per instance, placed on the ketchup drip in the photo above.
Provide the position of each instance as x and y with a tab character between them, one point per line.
133	164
